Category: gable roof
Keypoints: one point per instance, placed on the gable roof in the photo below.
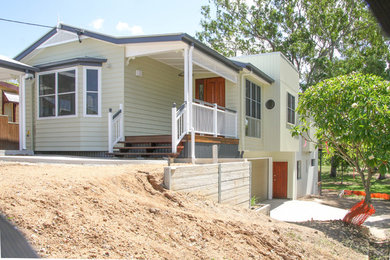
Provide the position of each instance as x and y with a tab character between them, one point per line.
237	66
127	40
9	87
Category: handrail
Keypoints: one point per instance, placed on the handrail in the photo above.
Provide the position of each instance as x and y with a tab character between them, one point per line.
115	128
117	114
212	105
179	128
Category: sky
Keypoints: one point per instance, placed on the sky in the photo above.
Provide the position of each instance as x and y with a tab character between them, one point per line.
112	17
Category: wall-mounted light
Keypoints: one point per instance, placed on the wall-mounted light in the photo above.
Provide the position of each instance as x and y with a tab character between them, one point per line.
138	73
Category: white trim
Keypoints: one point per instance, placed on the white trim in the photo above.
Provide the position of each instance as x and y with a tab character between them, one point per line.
56	93
58	34
99	69
22	113
145	49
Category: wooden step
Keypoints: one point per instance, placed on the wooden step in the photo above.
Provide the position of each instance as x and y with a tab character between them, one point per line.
148	139
146	147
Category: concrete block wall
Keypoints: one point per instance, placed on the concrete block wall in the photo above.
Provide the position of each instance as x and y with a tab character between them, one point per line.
228	183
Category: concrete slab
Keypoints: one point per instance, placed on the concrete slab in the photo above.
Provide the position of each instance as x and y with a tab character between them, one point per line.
77	160
299	211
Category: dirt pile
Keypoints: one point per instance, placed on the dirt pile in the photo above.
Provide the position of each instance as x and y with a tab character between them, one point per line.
123	212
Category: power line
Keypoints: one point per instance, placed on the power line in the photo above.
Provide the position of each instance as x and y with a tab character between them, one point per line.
25	23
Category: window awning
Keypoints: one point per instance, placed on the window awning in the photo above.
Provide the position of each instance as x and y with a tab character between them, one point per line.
11	97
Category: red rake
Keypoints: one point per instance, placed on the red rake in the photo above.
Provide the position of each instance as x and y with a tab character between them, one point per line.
359	213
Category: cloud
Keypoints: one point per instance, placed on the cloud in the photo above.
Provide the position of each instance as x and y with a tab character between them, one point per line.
97	24
125	27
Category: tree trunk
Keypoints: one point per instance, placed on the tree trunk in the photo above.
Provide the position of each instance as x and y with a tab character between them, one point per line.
367	186
382	176
333	166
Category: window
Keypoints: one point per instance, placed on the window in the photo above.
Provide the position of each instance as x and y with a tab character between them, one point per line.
57	93
313	162
92	92
253	109
299	172
290	108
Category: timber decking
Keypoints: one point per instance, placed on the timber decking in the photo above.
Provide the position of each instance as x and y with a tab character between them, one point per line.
159	146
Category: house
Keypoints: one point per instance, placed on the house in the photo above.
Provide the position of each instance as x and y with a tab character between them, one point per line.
163	95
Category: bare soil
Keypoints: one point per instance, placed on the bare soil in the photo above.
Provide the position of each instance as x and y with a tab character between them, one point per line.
73	211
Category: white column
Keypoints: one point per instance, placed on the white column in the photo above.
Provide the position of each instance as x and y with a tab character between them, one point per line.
22	113
186	94
122	123
110	150
174	129
190	98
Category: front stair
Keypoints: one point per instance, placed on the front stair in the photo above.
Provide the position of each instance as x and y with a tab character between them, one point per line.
150	146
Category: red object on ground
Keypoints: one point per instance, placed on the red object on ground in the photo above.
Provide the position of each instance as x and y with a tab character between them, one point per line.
362	193
359	213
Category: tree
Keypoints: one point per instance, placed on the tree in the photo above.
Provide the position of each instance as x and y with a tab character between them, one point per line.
351	114
322	38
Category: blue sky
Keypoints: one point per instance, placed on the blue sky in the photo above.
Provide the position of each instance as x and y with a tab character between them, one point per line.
113	17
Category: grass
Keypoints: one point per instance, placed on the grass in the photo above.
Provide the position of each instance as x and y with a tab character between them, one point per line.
346	181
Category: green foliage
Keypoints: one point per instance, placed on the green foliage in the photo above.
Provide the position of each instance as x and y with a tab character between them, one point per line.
322	38
351	114
253	201
348	182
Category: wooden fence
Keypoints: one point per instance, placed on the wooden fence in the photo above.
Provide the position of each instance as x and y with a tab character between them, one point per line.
9	134
223	182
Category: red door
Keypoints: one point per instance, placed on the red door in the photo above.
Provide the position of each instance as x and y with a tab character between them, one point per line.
211	90
279	183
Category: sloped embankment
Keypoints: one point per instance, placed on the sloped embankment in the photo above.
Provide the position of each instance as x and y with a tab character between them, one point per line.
123	212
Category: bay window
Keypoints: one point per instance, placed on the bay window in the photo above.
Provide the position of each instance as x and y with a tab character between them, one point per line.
57	93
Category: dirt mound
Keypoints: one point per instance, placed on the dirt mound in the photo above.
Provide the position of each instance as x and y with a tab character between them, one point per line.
123	212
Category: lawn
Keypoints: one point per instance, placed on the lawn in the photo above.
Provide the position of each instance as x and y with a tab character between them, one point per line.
346	181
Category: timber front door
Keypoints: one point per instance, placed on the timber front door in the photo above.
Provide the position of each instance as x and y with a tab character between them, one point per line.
279	187
211	90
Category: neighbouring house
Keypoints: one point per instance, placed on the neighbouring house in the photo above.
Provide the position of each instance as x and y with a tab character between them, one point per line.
166	95
9	98
10	132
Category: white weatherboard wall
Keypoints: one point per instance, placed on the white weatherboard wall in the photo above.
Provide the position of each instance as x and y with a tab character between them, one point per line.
228	183
77	133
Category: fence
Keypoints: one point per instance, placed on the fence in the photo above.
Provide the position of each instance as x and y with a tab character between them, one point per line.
9	134
228	183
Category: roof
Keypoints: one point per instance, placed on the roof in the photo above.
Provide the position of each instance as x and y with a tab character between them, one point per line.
11	97
381	9
127	40
237	66
9	63
8	86
87	61
255	70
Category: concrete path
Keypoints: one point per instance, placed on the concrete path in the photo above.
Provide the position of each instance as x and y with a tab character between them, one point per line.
300	211
62	159
12	242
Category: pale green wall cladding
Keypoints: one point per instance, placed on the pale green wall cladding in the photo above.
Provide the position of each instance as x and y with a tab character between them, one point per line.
78	133
149	99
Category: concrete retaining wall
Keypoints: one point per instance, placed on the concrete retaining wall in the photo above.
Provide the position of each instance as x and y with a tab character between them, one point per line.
223	182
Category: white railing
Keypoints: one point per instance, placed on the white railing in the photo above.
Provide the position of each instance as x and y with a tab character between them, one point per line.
214	120
179	129
115	128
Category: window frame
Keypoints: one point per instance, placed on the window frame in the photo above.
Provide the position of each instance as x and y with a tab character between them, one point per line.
299	169
99	92
257	103
289	109
55	72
